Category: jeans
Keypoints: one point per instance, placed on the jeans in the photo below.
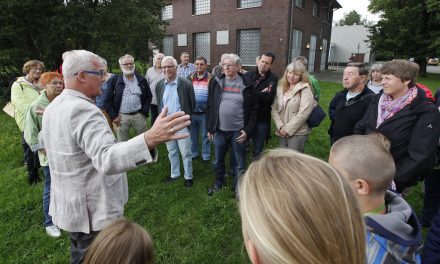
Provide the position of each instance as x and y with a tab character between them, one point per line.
184	145
198	123
259	138
32	162
137	121
154	113
222	140
46	197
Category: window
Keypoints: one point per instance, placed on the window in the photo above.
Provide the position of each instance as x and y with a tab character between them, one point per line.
223	37
299	3
201	7
168	46
249	3
167	12
296	44
202	45
315	9
249	45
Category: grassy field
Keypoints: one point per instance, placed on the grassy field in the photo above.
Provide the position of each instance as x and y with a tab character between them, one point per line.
186	225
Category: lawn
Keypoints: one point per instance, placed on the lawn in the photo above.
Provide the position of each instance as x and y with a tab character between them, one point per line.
187	226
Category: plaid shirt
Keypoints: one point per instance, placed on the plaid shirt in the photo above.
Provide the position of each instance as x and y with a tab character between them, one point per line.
185	71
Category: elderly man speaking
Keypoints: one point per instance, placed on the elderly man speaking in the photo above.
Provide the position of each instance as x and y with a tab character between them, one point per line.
89	183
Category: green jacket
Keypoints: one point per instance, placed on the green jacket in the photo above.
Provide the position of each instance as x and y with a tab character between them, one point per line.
22	96
185	90
315	85
32	126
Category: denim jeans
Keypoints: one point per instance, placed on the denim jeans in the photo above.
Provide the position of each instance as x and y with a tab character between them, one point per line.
198	125
46	197
222	141
184	145
259	138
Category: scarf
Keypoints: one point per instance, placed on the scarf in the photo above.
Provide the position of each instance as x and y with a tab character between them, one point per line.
388	107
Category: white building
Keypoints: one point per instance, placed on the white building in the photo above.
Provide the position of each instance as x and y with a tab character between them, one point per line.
349	42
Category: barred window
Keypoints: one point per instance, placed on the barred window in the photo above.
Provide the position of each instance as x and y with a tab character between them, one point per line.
299	3
249	3
167	12
201	7
168	46
202	45
249	45
315	9
296	44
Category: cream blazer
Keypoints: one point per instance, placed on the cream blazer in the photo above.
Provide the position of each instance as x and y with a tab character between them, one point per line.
294	114
87	165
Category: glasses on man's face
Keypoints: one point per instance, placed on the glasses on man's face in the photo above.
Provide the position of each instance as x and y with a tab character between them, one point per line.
167	67
100	73
228	65
128	64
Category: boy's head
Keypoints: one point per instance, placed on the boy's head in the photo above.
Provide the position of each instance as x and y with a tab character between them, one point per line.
365	161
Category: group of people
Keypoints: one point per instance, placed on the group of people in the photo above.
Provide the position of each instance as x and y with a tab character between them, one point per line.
74	117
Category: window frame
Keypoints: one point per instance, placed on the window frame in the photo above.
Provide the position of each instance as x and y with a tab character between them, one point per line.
194	7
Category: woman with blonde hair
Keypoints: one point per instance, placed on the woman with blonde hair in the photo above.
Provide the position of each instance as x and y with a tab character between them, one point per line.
293	104
122	242
296	209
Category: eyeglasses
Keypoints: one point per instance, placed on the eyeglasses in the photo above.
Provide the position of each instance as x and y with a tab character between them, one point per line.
128	64
228	65
167	67
100	73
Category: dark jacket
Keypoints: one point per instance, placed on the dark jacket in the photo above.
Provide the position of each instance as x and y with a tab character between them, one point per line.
265	99
250	104
413	132
431	248
344	115
185	91
116	89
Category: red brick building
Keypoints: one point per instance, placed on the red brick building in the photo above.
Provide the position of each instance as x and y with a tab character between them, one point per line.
288	28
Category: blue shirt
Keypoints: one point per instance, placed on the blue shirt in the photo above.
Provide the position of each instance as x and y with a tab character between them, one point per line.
170	97
100	99
131	97
184	71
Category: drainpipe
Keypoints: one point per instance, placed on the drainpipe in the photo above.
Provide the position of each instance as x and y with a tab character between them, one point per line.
290	32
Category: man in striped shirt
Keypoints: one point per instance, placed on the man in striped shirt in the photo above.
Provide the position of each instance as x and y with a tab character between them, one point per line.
200	80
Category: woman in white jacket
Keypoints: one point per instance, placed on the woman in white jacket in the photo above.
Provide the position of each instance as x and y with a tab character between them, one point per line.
292	106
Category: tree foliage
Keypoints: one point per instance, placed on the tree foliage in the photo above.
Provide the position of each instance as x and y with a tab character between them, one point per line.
45	29
352	18
407	29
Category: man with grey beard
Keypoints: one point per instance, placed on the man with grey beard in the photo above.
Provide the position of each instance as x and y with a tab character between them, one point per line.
128	100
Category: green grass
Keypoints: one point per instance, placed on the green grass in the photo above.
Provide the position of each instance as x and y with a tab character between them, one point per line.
187	226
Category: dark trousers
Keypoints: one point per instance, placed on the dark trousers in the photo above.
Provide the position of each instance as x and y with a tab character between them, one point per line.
154	113
79	244
31	160
431	201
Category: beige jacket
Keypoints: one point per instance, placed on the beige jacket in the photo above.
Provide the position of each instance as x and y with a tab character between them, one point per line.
294	114
87	165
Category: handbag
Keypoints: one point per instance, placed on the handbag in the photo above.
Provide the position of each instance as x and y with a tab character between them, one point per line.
316	116
9	109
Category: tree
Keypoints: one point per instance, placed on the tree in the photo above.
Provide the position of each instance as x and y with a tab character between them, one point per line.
45	29
407	29
352	18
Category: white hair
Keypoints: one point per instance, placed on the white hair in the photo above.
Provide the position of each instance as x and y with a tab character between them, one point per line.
234	57
75	61
126	56
169	58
